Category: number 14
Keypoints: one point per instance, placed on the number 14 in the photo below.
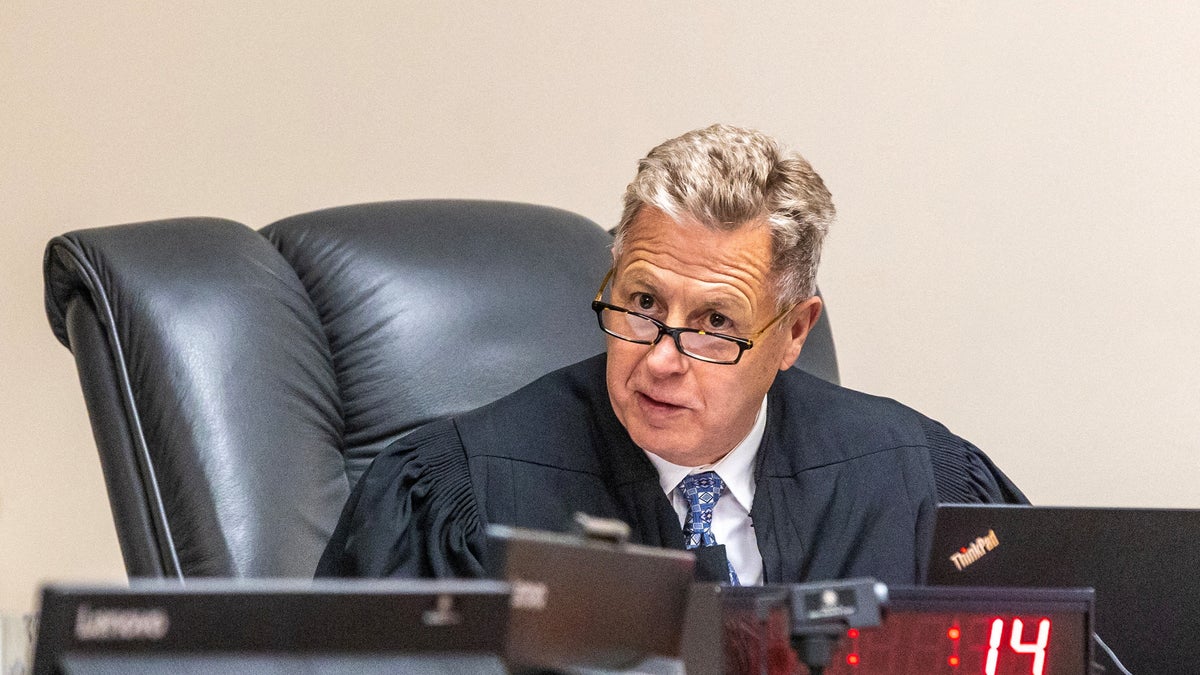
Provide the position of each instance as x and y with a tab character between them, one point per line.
1038	649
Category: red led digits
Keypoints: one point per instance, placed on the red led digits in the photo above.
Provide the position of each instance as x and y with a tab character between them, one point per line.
1038	648
993	653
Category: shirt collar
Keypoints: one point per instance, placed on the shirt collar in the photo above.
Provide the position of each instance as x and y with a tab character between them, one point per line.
736	469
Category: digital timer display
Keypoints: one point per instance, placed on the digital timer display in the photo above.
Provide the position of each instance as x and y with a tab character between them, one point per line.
961	643
922	631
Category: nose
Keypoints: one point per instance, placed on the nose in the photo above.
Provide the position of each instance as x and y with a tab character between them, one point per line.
664	359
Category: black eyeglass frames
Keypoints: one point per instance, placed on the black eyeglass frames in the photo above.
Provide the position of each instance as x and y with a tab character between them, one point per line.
701	345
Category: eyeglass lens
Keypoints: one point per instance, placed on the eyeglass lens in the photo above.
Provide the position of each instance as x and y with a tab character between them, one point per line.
639	329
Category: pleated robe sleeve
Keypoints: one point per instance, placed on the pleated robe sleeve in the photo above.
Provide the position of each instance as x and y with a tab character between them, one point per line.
413	513
963	474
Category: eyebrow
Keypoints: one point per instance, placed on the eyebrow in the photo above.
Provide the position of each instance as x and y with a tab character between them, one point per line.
639	279
720	303
725	305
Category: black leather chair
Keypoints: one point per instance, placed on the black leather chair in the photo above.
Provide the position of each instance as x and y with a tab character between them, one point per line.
239	382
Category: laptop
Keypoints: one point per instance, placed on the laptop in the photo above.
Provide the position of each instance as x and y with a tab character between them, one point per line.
1143	563
274	626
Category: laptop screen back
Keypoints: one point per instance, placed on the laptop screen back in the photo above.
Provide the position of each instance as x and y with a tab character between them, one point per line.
1142	562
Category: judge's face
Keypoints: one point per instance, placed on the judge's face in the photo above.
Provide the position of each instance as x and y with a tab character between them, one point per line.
686	411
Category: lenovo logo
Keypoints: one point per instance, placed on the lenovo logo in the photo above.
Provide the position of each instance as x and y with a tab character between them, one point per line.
120	624
976	550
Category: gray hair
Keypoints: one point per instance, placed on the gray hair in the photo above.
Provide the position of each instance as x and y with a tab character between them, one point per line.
724	177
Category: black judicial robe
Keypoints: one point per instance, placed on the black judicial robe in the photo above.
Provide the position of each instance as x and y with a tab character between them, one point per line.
846	483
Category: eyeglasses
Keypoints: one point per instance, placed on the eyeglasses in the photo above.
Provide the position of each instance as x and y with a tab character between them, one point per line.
701	345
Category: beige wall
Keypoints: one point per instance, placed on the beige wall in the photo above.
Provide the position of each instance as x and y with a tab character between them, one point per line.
1015	254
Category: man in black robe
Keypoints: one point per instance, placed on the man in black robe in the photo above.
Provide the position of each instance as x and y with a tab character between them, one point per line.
708	303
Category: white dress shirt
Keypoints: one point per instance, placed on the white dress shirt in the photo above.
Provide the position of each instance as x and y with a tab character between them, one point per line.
731	517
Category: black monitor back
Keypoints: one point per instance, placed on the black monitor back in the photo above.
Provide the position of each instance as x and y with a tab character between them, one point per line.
582	604
265	626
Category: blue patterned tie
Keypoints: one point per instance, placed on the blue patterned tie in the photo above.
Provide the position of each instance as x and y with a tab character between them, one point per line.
702	490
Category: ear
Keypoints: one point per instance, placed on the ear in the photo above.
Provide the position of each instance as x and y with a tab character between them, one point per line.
800	320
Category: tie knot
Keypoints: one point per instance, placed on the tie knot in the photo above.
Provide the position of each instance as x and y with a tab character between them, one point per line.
702	489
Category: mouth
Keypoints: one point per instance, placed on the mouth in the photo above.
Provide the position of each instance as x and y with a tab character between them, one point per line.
656	405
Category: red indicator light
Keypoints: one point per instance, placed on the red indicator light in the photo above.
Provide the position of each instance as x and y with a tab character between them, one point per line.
962	550
954	634
852	659
953	660
852	633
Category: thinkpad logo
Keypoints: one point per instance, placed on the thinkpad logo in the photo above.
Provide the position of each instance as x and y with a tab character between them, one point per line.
976	550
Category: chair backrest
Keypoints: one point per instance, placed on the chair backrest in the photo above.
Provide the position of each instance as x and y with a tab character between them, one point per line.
239	382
